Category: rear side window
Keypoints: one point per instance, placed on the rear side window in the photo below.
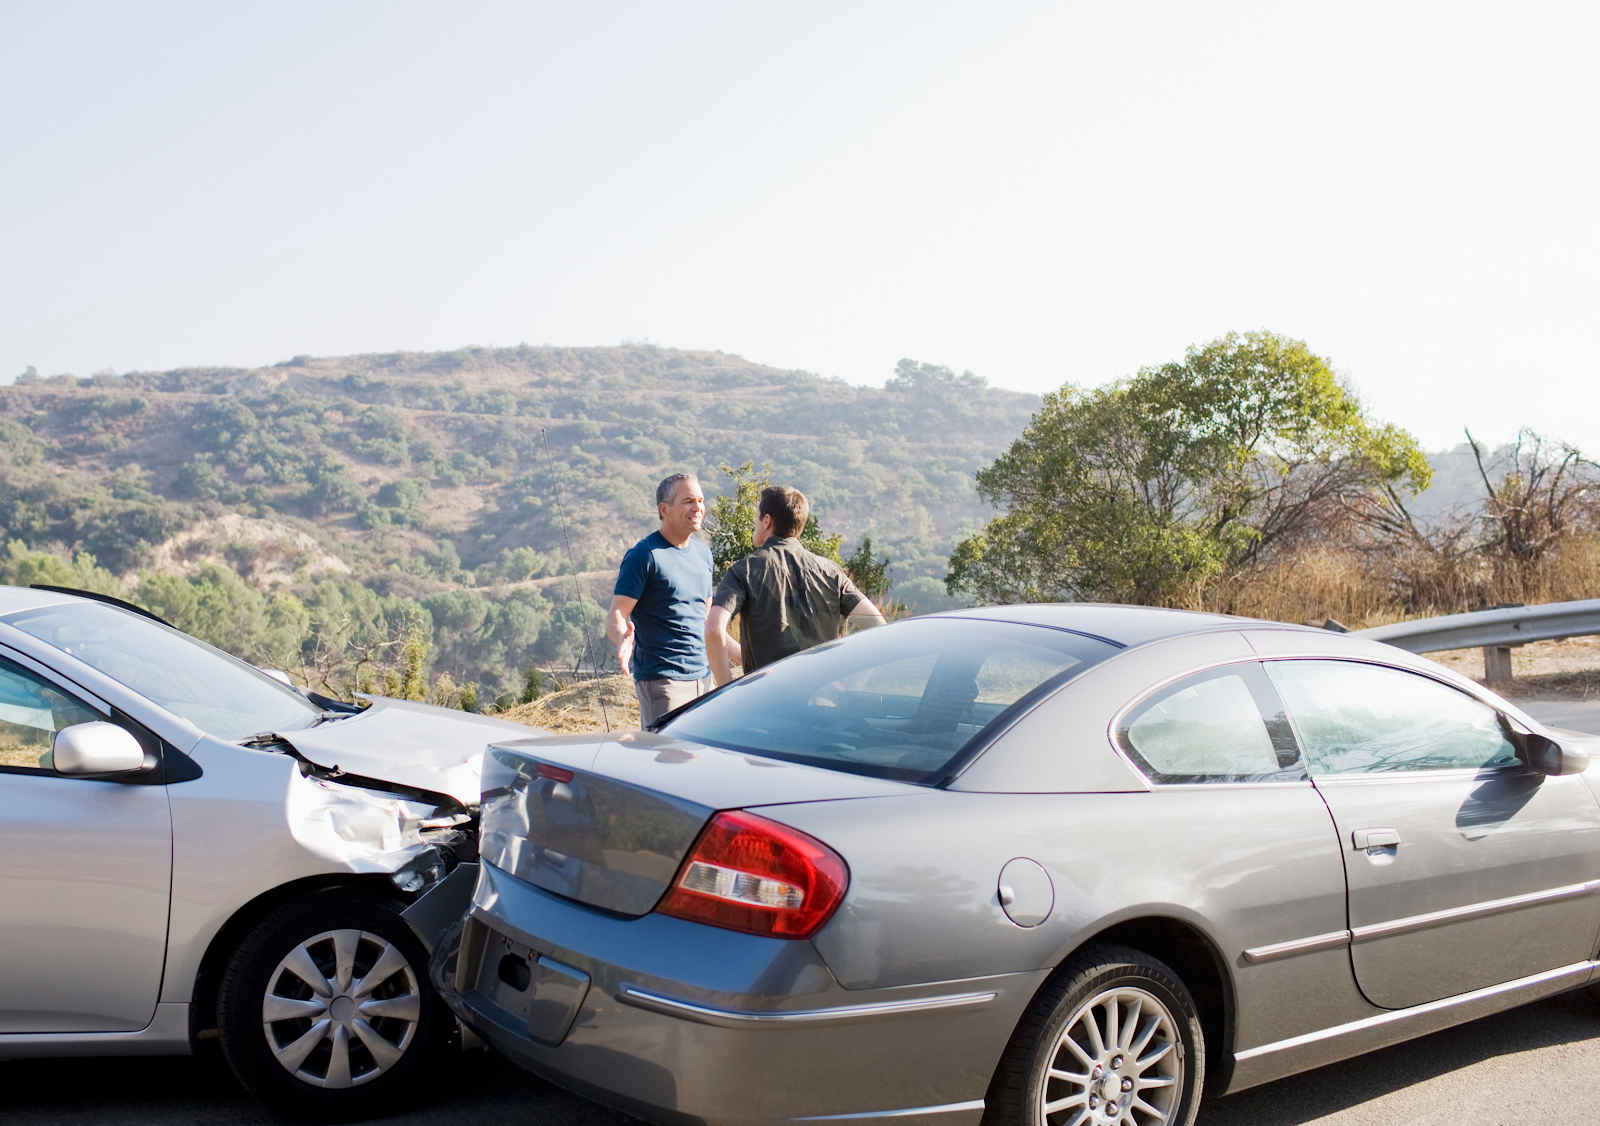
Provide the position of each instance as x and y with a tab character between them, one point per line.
1223	725
1358	719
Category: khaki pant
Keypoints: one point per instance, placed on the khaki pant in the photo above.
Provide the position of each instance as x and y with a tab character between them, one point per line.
658	697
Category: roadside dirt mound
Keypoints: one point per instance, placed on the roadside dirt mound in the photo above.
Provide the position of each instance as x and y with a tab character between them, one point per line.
605	704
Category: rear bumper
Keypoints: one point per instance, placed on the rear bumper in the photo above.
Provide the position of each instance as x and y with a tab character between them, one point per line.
677	1022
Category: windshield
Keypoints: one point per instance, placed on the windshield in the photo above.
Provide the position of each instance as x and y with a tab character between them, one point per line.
899	702
222	696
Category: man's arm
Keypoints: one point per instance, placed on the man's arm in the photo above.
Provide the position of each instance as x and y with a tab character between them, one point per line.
619	628
718	644
864	616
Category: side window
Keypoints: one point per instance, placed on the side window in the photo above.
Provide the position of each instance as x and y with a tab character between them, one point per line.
1355	719
32	710
1225	725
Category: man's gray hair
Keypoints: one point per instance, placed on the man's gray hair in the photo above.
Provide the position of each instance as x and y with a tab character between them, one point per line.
669	485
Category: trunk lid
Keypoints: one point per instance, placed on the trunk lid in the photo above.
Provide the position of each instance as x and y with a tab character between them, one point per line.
607	819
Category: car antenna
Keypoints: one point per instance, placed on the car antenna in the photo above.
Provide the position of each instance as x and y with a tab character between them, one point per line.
566	538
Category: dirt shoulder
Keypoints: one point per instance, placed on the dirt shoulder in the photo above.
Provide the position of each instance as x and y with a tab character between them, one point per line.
1542	670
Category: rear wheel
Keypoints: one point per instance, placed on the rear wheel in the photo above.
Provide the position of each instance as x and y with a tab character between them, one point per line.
325	1011
1113	1038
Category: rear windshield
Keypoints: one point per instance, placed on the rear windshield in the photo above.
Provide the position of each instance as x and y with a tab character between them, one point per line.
899	702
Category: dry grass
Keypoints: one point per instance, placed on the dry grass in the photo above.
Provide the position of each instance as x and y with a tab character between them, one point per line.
605	704
1361	589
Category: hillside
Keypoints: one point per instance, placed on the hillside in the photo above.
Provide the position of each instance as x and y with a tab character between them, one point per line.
425	474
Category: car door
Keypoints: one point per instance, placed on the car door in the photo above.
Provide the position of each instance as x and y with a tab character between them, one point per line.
86	875
1465	869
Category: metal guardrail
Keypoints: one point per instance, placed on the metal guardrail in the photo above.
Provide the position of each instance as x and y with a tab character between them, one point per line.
1495	631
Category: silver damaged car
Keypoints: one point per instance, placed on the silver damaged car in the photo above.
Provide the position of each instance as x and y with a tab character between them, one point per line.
194	852
1034	866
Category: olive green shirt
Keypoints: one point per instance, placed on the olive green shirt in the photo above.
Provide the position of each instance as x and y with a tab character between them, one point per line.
790	599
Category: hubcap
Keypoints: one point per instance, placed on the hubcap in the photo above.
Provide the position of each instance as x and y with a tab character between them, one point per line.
341	1008
1117	1062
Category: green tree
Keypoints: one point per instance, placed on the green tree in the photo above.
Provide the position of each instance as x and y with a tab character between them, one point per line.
1143	490
870	575
216	606
21	567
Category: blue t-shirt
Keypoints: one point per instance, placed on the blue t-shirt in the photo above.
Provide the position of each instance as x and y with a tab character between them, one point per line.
672	585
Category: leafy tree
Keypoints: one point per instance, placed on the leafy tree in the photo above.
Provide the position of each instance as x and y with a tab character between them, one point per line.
870	575
1143	490
21	567
216	606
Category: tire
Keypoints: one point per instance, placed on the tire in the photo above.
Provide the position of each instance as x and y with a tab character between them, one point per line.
1064	1067
357	1023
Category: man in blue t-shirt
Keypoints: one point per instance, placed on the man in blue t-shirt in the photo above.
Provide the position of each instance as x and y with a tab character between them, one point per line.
658	610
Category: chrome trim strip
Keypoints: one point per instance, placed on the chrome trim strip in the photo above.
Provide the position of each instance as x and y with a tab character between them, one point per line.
947	1108
747	1018
1471	911
1297	946
1577	969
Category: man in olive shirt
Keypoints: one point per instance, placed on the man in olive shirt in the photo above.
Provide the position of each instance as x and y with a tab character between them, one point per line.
790	597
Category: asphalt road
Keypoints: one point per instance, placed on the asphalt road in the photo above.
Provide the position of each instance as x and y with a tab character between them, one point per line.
1576	715
1536	1065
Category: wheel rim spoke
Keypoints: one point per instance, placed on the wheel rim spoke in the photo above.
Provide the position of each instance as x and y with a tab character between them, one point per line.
1097	1046
1142	1041
300	964
389	964
405	1007
1159	1054
276	1008
1080	1099
295	1054
385	1053
1130	1022
339	1061
344	952
1139	1104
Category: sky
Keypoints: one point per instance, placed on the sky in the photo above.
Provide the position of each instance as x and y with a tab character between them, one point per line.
1039	193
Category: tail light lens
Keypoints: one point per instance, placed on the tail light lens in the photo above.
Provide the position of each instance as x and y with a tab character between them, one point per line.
749	874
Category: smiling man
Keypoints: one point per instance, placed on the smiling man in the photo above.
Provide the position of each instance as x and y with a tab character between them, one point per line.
658	609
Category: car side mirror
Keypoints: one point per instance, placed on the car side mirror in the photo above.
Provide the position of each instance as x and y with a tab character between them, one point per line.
1545	755
95	748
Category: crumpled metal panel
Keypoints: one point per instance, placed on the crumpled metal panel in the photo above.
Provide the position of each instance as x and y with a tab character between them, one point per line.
417	745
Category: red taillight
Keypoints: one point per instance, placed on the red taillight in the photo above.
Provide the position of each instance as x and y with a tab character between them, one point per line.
555	773
750	874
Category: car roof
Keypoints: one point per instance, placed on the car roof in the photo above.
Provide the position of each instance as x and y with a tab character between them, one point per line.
26	598
1123	625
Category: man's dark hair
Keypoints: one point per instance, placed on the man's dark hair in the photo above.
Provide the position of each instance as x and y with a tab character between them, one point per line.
788	508
669	485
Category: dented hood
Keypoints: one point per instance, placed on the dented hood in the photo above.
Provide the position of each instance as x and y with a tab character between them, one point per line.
417	745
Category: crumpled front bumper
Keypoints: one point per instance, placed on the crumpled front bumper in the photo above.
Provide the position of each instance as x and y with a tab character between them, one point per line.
679	1022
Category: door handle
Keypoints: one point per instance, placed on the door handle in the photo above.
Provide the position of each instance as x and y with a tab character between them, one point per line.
1367	839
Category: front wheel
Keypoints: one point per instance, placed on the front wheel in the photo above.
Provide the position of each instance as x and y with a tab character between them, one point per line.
1113	1039
325	1011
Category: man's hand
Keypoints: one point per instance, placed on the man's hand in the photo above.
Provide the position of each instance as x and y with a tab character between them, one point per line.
718	644
619	628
